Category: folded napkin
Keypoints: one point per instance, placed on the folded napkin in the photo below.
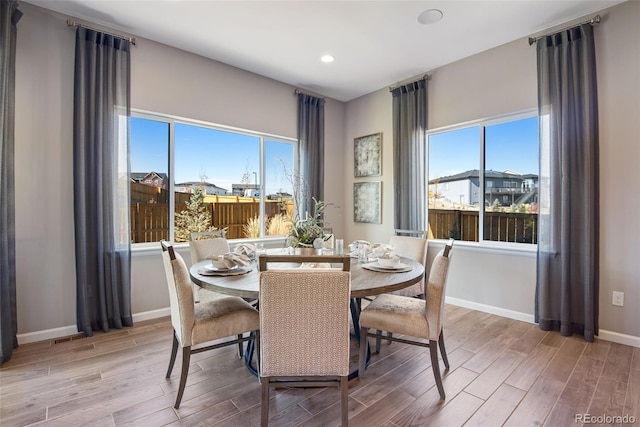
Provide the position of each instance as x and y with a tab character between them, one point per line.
373	249
246	249
230	260
381	249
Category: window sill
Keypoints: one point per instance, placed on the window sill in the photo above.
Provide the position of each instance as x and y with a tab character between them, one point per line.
154	247
523	249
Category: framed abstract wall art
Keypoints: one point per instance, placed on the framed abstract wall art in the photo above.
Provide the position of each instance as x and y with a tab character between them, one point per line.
367	155
367	202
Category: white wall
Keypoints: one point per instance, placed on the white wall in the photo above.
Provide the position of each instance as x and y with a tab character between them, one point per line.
503	81
164	80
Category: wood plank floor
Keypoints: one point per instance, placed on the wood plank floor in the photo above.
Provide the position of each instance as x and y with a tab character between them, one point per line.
503	372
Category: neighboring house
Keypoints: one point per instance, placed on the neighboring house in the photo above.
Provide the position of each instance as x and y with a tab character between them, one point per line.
241	190
507	188
209	188
152	179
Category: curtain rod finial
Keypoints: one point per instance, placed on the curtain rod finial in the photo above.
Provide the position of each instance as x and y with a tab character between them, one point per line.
532	40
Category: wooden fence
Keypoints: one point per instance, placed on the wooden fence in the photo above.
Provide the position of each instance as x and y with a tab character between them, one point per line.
499	226
150	221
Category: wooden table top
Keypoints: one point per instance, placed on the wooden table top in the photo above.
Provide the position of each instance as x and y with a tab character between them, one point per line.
363	282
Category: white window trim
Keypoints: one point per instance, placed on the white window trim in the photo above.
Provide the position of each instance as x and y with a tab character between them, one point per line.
262	136
504	118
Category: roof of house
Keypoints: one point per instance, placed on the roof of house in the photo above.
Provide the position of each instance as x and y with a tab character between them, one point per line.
475	173
194	183
137	176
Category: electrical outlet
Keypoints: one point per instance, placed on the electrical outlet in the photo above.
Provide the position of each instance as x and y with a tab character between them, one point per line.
618	298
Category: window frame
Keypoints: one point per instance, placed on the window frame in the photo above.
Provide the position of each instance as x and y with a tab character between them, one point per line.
263	138
482	124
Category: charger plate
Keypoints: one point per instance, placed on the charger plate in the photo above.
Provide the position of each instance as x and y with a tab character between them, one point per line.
237	271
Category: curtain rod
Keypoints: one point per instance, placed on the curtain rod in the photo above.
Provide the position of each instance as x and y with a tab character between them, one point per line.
425	77
71	23
299	92
593	21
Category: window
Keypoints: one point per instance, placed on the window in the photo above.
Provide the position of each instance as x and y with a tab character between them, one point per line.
483	181
188	176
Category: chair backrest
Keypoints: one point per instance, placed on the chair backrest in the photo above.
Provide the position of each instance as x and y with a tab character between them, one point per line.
414	248
205	235
180	293
410	247
435	292
304	321
411	233
207	244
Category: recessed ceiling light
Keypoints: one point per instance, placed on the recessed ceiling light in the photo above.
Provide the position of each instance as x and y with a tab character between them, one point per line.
430	16
327	58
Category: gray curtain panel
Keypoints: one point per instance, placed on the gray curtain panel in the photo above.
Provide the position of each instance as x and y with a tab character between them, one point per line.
567	280
409	159
101	181
9	17
311	140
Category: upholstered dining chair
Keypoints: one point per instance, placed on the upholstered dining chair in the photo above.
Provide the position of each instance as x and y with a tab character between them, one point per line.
412	317
304	321
196	324
409	244
203	245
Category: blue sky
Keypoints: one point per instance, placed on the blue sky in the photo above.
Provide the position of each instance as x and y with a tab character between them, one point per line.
511	145
224	157
220	157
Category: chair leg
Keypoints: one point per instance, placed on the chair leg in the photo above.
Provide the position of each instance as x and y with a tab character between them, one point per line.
390	335
240	350
344	399
264	402
174	352
186	357
433	349
443	352
378	340
363	352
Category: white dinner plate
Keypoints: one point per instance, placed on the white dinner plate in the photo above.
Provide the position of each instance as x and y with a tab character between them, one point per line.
400	268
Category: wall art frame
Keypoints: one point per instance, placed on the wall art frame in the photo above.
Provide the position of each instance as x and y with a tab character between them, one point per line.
367	202
367	155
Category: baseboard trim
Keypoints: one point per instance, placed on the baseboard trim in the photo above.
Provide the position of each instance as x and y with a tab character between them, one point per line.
529	318
619	338
65	331
153	314
47	334
499	311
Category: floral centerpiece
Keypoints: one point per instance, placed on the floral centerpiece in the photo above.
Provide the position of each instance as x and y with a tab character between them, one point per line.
308	232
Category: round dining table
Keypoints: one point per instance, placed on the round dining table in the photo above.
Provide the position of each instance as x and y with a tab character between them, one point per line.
364	283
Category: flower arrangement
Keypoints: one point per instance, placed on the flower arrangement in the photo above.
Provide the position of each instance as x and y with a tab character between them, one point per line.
305	232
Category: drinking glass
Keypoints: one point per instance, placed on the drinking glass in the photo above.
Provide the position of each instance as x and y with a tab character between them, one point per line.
339	246
363	254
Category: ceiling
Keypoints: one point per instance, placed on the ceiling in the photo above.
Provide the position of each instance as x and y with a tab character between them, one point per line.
375	43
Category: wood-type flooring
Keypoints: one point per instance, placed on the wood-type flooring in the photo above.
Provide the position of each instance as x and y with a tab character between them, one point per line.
503	372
